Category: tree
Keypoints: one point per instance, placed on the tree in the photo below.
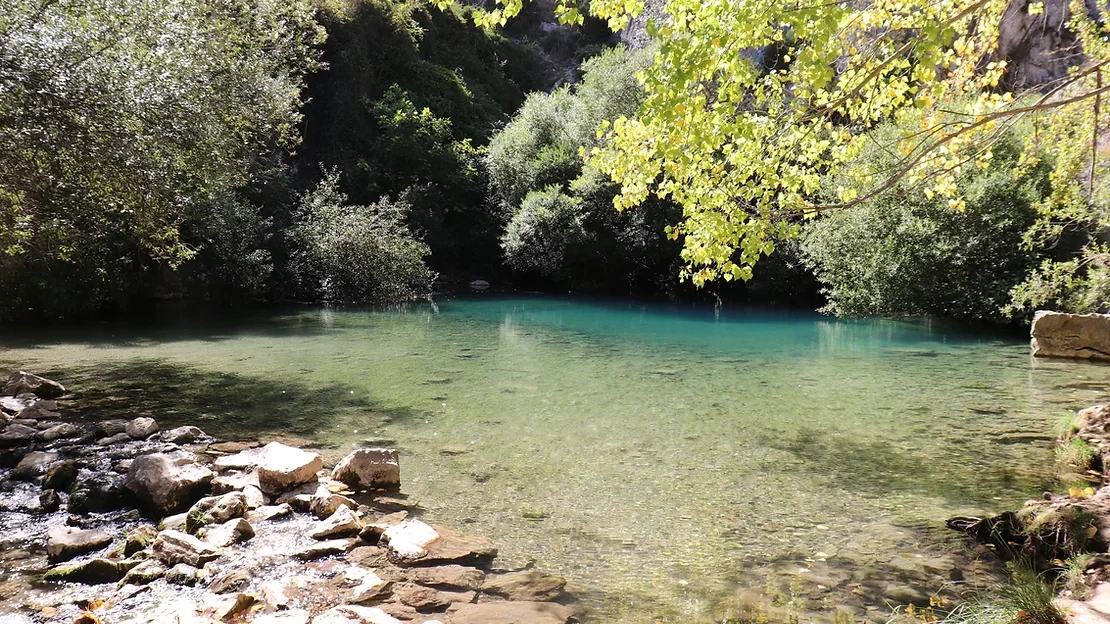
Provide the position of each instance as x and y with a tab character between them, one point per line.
750	104
905	254
355	253
118	118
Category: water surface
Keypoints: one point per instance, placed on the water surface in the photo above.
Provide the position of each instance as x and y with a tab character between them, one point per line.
676	464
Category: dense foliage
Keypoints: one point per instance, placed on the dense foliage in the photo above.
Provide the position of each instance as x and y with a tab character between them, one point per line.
119	120
343	252
562	226
906	252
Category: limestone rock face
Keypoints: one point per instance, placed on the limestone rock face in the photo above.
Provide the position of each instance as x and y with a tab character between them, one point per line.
159	482
174	547
24	382
1081	336
281	467
369	468
63	542
512	613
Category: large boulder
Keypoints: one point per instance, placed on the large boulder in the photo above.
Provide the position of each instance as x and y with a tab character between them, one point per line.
141	428
161	483
281	467
1082	336
63	542
24	382
369	468
97	493
174	547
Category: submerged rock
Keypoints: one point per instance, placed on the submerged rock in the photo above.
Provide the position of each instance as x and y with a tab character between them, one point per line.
527	585
161	483
24	382
1083	336
369	468
512	613
292	616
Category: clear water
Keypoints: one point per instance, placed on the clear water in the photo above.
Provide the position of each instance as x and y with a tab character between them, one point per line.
676	464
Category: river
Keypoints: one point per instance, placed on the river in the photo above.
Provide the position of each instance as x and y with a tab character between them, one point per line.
674	463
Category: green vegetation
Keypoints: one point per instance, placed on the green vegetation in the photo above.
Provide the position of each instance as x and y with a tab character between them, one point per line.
907	253
561	223
342	252
349	151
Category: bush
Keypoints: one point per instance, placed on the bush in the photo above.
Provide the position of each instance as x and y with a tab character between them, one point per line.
355	253
905	254
548	224
562	223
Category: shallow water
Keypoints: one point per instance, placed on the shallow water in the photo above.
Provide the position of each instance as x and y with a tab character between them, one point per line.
676	464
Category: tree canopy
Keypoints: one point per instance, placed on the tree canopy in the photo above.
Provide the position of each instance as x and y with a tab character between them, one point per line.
749	104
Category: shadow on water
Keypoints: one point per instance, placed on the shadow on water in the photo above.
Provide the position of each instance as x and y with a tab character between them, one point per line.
223	404
878	469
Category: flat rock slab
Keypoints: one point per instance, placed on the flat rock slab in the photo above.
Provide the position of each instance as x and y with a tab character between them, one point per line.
1081	336
63	542
451	576
511	613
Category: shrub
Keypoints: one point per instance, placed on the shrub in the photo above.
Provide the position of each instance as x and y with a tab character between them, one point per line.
355	253
906	254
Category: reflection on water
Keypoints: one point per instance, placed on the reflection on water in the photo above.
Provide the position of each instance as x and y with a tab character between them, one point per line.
676	464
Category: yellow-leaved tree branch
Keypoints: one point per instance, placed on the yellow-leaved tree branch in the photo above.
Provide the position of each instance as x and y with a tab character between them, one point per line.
751	104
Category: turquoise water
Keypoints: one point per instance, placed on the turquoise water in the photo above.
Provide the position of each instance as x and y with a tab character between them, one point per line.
675	464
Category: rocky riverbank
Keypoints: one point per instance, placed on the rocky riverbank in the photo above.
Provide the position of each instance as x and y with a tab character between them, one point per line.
1065	538
118	521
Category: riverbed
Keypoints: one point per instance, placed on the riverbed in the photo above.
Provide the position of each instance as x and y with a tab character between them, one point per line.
674	463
